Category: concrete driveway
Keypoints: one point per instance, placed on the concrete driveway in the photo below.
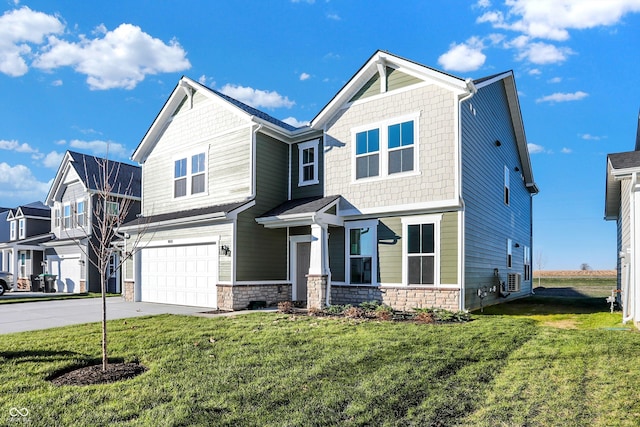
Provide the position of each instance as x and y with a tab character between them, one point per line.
34	315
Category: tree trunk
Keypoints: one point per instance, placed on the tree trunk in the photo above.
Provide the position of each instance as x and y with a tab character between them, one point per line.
104	323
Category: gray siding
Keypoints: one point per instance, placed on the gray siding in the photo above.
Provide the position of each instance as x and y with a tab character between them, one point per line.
73	193
489	222
337	254
389	251
36	227
262	253
395	80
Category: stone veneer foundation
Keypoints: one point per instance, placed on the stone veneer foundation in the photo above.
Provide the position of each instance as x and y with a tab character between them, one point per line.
238	297
316	290
127	290
399	297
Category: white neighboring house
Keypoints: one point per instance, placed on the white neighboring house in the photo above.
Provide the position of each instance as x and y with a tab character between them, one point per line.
622	204
71	198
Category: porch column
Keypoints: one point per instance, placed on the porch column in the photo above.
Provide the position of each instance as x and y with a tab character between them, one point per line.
317	279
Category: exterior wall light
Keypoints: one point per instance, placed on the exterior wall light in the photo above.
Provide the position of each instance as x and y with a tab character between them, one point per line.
224	250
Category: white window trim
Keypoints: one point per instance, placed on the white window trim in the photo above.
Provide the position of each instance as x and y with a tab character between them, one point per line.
86	217
107	210
57	217
434	219
383	128
301	147
527	263
13	232
348	226
509	253
188	156
506	196
22	228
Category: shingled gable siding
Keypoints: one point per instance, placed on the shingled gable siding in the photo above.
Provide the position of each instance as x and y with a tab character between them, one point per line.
395	80
261	253
209	128
71	195
435	144
298	192
489	222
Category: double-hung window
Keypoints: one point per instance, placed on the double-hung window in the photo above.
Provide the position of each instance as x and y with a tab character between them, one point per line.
362	252
368	153
22	228
386	148
12	227
56	217
112	209
509	253
400	143
527	263
189	175
507	186
66	216
308	163
421	265
81	213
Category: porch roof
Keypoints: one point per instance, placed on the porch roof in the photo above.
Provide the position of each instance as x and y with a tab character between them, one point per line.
304	211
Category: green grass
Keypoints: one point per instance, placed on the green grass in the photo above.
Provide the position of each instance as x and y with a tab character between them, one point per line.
15	299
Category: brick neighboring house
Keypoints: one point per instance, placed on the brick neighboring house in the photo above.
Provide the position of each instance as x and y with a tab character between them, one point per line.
411	187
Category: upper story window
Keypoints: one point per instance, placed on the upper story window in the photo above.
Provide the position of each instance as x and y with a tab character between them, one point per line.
527	263
386	148
112	209
81	213
400	144
509	253
189	175
368	153
22	228
56	217
507	189
12	230
66	216
308	163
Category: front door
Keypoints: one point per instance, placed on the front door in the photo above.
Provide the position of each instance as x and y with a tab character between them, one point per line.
112	275
303	256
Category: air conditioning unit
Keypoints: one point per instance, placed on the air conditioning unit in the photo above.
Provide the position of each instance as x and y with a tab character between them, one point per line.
513	282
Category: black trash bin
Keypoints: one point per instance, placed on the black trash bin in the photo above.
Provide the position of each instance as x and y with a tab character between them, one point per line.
49	282
36	284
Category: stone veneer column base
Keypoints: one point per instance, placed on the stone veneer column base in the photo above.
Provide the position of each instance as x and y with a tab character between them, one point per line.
127	290
83	286
238	297
316	290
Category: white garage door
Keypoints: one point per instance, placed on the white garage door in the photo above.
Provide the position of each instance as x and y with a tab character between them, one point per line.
184	275
68	272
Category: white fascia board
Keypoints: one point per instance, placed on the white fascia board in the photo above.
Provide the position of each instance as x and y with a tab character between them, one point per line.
282	221
412	208
65	164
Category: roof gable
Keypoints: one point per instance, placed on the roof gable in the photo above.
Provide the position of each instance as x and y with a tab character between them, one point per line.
182	98
383	73
618	165
124	180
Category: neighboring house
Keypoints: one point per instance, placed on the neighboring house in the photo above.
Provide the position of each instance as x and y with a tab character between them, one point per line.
411	187
27	226
72	198
4	234
622	204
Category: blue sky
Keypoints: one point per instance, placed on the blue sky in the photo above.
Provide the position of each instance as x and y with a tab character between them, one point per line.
84	75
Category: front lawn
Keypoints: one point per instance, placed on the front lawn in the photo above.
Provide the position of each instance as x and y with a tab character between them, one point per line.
287	370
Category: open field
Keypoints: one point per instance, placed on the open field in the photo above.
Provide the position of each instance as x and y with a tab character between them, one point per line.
535	362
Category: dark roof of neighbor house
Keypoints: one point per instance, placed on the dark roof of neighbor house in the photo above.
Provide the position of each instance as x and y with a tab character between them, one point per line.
36	209
225	209
300	206
254	111
126	178
626	160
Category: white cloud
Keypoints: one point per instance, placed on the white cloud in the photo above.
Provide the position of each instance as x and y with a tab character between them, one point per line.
57	82
100	148
535	72
53	159
257	98
305	76
555	80
535	148
14	145
483	4
552	19
566	150
333	16
295	122
544	53
18	184
590	137
122	58
464	57
563	97
19	27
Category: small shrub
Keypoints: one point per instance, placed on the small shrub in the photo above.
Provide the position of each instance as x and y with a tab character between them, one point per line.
384	312
370	305
336	309
425	317
354	312
315	311
285	307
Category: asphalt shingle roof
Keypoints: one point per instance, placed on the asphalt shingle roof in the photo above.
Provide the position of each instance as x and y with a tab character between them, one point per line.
185	214
629	159
300	206
88	168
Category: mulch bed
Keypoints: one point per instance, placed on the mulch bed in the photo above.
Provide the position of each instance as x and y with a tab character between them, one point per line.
93	374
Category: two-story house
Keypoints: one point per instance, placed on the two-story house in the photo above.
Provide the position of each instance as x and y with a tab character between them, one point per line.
74	193
411	187
21	254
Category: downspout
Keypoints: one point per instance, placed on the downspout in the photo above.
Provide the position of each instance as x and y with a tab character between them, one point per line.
472	91
627	312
